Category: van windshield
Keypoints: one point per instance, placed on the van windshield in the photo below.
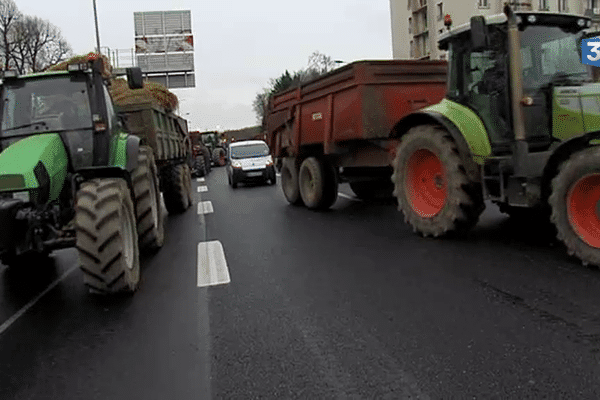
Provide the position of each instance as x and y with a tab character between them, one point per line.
249	151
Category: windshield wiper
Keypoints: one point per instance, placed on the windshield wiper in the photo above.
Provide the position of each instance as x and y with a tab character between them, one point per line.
26	125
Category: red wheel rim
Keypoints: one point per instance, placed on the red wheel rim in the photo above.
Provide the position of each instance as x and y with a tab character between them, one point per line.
582	208
426	183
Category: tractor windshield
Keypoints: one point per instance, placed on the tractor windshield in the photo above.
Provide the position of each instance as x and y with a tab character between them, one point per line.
551	55
48	104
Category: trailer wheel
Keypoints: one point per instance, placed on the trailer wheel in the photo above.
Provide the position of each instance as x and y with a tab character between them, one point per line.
375	189
177	183
289	181
431	186
107	240
150	221
575	204
199	166
318	183
207	160
219	156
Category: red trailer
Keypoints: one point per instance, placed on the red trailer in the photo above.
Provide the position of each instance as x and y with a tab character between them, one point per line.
340	127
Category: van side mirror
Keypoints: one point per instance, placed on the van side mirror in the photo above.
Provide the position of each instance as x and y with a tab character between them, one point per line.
134	77
479	33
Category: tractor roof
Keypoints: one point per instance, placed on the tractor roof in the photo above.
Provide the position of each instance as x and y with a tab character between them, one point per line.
497	19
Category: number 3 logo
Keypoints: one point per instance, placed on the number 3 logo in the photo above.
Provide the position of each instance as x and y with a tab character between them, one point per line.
595	48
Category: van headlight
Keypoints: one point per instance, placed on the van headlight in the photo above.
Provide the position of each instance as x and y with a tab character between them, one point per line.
269	160
23	196
236	164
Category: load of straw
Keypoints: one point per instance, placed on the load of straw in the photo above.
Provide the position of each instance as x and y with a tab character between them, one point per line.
120	92
152	91
62	66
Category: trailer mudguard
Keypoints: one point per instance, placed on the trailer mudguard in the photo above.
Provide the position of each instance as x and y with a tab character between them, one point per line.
37	163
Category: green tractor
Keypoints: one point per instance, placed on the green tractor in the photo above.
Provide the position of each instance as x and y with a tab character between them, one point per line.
71	176
520	127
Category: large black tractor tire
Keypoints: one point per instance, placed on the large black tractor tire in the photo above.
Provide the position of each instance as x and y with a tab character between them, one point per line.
177	188
107	240
431	186
199	168
207	159
318	183
375	189
289	181
148	202
574	202
219	156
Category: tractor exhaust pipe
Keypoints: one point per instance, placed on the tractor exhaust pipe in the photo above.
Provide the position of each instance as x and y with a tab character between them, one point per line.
516	78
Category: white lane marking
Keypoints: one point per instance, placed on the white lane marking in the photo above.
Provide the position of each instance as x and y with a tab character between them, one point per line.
278	174
212	266
344	195
27	306
202	189
205	207
200	179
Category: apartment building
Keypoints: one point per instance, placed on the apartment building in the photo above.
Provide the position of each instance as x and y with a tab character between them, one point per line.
417	24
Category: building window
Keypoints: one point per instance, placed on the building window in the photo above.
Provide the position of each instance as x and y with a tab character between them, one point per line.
483	3
426	45
412	49
410	29
562	6
544	5
440	11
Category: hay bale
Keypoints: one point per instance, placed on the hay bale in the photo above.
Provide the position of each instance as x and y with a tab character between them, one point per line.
62	66
155	92
119	89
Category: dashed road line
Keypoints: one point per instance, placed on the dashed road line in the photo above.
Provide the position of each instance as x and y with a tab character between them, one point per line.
212	266
205	207
27	306
200	179
202	189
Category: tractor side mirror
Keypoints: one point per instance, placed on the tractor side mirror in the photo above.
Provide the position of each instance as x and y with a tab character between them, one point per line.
479	33
134	78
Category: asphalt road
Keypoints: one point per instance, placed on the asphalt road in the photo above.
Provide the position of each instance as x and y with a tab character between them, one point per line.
347	303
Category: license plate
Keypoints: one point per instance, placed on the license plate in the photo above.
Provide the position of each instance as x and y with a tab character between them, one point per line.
254	173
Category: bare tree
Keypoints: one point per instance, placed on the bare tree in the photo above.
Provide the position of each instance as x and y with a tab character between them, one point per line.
38	44
9	16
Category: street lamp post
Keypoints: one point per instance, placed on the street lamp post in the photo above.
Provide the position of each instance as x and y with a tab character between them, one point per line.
97	31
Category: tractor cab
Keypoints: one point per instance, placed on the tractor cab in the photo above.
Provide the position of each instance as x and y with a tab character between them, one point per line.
552	76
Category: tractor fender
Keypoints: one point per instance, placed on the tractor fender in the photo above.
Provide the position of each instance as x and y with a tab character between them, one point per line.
562	152
132	150
435	118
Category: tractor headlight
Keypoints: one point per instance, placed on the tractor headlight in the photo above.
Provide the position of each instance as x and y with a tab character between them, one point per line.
23	196
581	22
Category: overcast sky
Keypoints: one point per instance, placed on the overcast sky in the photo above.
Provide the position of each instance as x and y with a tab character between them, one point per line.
239	44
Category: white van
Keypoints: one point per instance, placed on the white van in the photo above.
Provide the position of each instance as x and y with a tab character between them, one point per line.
250	161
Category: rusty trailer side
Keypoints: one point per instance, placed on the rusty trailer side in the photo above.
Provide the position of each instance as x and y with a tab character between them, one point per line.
356	103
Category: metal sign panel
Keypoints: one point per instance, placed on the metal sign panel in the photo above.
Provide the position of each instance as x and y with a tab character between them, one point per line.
164	46
160	23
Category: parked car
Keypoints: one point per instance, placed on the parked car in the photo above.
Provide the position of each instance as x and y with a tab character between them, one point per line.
250	161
